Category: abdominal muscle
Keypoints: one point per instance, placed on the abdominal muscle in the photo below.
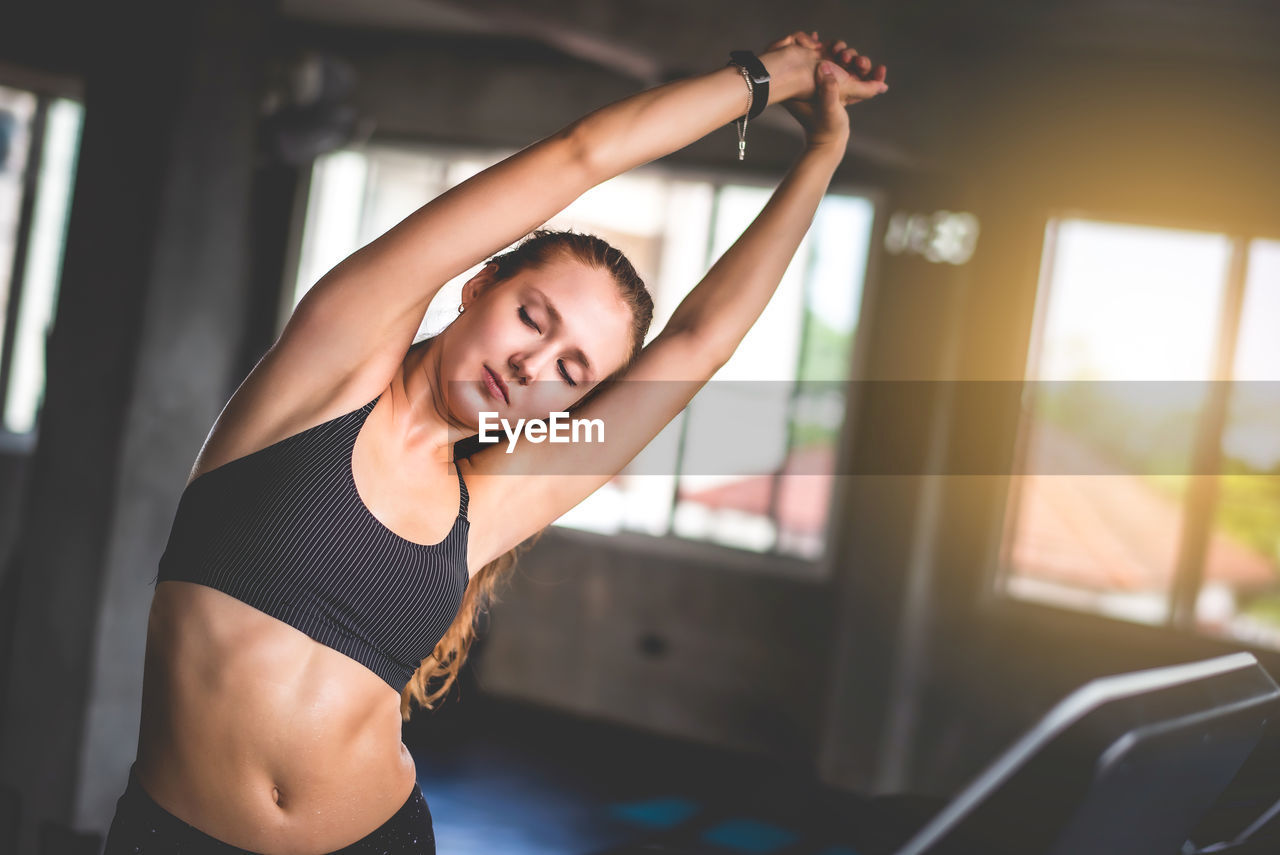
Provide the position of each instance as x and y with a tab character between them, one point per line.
260	736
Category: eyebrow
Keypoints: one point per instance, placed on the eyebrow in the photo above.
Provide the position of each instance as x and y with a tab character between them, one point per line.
555	316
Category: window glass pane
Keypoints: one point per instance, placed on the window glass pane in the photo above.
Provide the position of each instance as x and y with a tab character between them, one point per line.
1240	595
726	488
335	208
752	390
840	239
841	235
43	264
785	383
1095	516
17	108
396	184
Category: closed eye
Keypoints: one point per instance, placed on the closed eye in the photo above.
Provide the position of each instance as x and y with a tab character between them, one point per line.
565	372
524	316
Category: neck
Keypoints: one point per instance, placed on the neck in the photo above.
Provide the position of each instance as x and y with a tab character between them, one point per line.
418	406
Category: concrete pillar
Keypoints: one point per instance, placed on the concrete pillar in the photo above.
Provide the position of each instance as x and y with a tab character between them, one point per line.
884	587
143	354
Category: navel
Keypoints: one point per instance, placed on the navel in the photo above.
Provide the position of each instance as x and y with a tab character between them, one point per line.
275	796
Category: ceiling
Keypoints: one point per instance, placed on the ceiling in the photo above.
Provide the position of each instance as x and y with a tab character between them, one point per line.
934	49
671	36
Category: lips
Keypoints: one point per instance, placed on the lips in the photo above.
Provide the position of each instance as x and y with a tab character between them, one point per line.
496	387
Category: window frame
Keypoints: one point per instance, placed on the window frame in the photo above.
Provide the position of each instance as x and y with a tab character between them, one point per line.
671	544
1198	505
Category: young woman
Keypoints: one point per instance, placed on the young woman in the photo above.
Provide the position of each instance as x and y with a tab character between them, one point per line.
329	553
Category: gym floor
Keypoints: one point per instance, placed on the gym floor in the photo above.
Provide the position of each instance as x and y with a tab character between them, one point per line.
506	777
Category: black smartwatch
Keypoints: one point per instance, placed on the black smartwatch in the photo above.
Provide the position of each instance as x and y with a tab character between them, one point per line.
755	69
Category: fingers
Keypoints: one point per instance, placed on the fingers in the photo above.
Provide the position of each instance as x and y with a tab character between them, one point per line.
861	67
829	87
808	40
829	121
857	68
853	88
858	90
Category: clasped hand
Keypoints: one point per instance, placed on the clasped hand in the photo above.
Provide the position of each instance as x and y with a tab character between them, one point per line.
841	77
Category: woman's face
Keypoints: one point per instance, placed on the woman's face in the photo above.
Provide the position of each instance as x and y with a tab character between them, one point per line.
535	343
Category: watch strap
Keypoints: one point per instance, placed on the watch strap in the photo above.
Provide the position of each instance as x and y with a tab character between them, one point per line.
749	62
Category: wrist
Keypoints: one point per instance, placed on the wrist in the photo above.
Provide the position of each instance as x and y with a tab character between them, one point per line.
828	149
790	71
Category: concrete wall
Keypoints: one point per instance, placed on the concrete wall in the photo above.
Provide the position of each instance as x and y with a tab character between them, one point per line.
703	646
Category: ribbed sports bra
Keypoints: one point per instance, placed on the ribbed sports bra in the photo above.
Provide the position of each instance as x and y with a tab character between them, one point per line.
284	530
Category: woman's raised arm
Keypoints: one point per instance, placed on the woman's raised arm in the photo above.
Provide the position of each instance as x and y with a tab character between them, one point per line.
719	312
362	315
699	338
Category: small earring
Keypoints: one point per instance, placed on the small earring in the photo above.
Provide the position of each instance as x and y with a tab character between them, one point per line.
459	308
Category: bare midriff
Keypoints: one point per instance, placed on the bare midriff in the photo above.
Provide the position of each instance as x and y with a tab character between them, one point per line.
260	736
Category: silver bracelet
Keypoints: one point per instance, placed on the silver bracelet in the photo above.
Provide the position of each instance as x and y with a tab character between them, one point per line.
742	123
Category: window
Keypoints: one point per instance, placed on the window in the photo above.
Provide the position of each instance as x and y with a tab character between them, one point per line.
1148	484
39	139
672	226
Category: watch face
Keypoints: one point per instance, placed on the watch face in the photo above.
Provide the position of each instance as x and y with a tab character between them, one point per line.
752	63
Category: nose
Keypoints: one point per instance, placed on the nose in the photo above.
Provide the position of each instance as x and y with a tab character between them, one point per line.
529	365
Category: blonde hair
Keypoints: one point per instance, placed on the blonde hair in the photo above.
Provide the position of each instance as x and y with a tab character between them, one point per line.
441	668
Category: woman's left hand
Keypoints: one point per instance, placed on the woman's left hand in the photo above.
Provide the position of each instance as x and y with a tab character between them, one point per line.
824	117
842	77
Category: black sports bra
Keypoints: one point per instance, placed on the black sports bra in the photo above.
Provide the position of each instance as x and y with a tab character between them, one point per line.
285	530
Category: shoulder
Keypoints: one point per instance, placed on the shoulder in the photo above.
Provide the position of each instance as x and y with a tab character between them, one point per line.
264	411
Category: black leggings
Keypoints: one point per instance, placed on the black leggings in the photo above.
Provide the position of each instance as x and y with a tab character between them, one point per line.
142	827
